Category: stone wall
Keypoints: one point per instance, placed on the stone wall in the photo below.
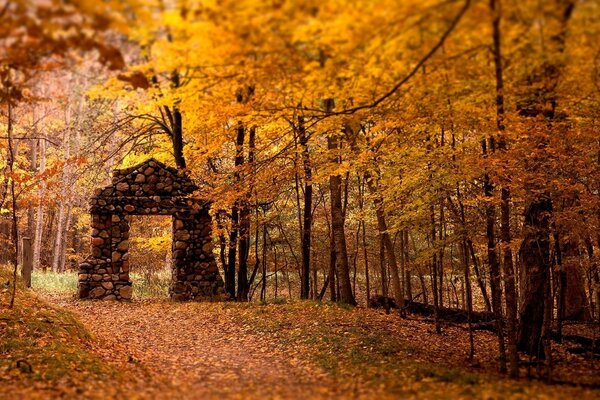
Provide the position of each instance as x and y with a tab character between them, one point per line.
150	188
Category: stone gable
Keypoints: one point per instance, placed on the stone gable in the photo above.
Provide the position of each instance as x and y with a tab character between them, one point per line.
150	178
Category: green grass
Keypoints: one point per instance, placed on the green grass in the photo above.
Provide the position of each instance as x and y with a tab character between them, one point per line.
144	285
44	343
54	282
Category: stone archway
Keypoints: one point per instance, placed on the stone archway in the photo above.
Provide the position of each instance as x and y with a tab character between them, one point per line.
150	188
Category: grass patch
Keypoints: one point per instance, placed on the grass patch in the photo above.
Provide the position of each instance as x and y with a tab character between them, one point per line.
44	345
54	282
145	285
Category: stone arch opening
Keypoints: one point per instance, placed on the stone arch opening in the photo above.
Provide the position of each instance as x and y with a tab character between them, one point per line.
149	188
150	255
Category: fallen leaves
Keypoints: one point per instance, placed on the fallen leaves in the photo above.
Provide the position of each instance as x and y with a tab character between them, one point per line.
294	351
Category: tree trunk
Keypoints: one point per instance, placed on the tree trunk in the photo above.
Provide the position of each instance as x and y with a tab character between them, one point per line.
386	239
244	241
408	283
59	239
39	221
337	228
177	127
10	160
233	235
494	265
576	306
434	272
505	236
307	212
539	100
535	270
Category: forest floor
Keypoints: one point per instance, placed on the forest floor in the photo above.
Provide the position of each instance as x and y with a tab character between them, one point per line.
155	348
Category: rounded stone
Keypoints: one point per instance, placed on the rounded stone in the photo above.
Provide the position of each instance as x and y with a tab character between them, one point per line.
129	208
207	248
97	241
97	292
122	186
182	235
107	285
139	178
126	292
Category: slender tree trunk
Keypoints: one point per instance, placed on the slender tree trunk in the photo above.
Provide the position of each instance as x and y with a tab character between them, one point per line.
33	169
434	272
244	241
505	236
233	235
408	283
337	227
61	221
494	265
468	295
263	291
176	120
307	212
39	221
480	281
387	241
10	161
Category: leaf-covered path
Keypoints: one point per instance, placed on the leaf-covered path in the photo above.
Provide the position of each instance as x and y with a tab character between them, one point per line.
300	350
176	350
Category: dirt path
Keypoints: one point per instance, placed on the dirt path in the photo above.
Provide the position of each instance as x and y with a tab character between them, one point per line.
195	351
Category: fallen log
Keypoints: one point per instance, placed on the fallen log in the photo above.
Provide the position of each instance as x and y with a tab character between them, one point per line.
447	314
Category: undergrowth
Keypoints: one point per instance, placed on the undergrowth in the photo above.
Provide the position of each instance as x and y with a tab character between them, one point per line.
42	344
353	345
145	285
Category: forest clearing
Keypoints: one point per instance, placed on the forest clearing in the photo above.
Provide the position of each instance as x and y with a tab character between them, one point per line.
297	199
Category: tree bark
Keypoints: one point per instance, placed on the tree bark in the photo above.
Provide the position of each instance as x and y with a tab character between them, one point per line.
39	221
233	235
386	239
307	212
535	270
493	263
337	228
244	241
535	248
505	236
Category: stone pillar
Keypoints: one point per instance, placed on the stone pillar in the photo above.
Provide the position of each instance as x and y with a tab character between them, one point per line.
93	279
195	272
105	273
122	289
